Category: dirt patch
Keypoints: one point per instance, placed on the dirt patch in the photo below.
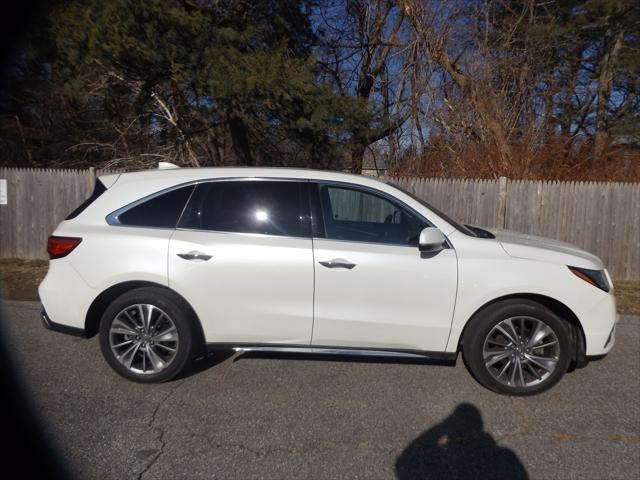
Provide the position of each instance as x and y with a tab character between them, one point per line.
628	297
19	280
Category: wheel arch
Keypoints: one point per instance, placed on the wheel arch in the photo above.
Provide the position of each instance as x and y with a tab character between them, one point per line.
102	301
557	307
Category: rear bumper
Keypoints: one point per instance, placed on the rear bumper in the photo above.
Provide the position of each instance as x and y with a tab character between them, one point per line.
58	327
65	297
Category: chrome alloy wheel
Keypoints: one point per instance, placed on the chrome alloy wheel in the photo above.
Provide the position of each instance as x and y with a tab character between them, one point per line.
521	351
143	338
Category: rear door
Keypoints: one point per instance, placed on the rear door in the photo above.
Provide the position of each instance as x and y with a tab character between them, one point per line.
242	256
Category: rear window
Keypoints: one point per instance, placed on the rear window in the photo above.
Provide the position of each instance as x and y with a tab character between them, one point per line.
160	211
98	190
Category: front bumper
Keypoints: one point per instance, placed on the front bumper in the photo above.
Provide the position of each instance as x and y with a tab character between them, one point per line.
599	321
611	339
582	359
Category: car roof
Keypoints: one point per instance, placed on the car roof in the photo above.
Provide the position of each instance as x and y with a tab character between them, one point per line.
203	173
133	186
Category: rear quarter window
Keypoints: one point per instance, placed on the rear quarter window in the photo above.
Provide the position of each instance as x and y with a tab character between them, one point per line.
159	211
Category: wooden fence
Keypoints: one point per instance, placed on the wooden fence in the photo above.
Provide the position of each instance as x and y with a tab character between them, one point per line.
603	218
37	200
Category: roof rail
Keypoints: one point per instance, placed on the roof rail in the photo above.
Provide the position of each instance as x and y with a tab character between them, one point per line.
167	166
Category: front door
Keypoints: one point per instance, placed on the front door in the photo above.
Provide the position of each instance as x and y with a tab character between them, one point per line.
374	289
242	257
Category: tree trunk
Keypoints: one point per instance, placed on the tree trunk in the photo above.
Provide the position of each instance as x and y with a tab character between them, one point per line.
240	141
605	84
372	65
357	158
482	101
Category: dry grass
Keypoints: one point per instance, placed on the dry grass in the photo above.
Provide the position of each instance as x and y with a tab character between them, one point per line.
19	280
628	297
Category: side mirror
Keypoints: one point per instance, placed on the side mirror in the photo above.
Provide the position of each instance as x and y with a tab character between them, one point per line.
431	240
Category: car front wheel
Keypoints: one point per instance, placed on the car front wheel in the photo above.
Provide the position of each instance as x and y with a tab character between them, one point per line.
517	347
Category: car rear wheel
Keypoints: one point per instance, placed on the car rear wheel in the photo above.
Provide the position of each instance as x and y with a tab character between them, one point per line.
146	335
517	347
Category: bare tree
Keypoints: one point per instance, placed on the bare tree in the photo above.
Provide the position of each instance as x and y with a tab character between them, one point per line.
367	53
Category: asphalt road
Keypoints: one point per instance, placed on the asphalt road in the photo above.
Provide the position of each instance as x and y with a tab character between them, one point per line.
259	416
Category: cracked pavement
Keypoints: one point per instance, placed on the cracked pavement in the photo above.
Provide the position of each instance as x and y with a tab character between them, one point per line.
160	438
299	416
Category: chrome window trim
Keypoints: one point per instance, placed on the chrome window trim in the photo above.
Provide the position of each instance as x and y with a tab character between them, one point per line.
249	234
244	179
388	196
112	218
362	242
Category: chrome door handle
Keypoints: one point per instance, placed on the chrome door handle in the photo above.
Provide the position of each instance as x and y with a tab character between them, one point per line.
338	263
193	255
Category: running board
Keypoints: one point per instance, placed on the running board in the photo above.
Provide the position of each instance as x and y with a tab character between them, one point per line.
332	351
361	352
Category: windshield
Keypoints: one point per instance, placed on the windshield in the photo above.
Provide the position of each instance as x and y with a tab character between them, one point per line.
444	216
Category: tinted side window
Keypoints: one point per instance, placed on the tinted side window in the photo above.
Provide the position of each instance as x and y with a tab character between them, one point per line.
162	211
362	216
267	207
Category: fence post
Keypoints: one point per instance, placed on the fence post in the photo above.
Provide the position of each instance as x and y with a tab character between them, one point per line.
92	178
502	203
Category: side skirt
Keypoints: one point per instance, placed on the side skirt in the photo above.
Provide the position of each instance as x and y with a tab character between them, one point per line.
445	357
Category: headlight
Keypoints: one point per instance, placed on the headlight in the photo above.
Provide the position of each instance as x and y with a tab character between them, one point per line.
597	278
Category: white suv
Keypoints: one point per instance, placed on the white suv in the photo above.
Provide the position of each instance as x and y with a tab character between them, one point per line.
167	265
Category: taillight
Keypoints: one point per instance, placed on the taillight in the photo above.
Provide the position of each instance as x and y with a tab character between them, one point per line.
59	247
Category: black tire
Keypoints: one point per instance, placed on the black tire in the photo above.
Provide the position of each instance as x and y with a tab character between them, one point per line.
477	336
163	302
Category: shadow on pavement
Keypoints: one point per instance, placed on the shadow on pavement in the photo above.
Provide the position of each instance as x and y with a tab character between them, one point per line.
26	444
204	363
458	448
